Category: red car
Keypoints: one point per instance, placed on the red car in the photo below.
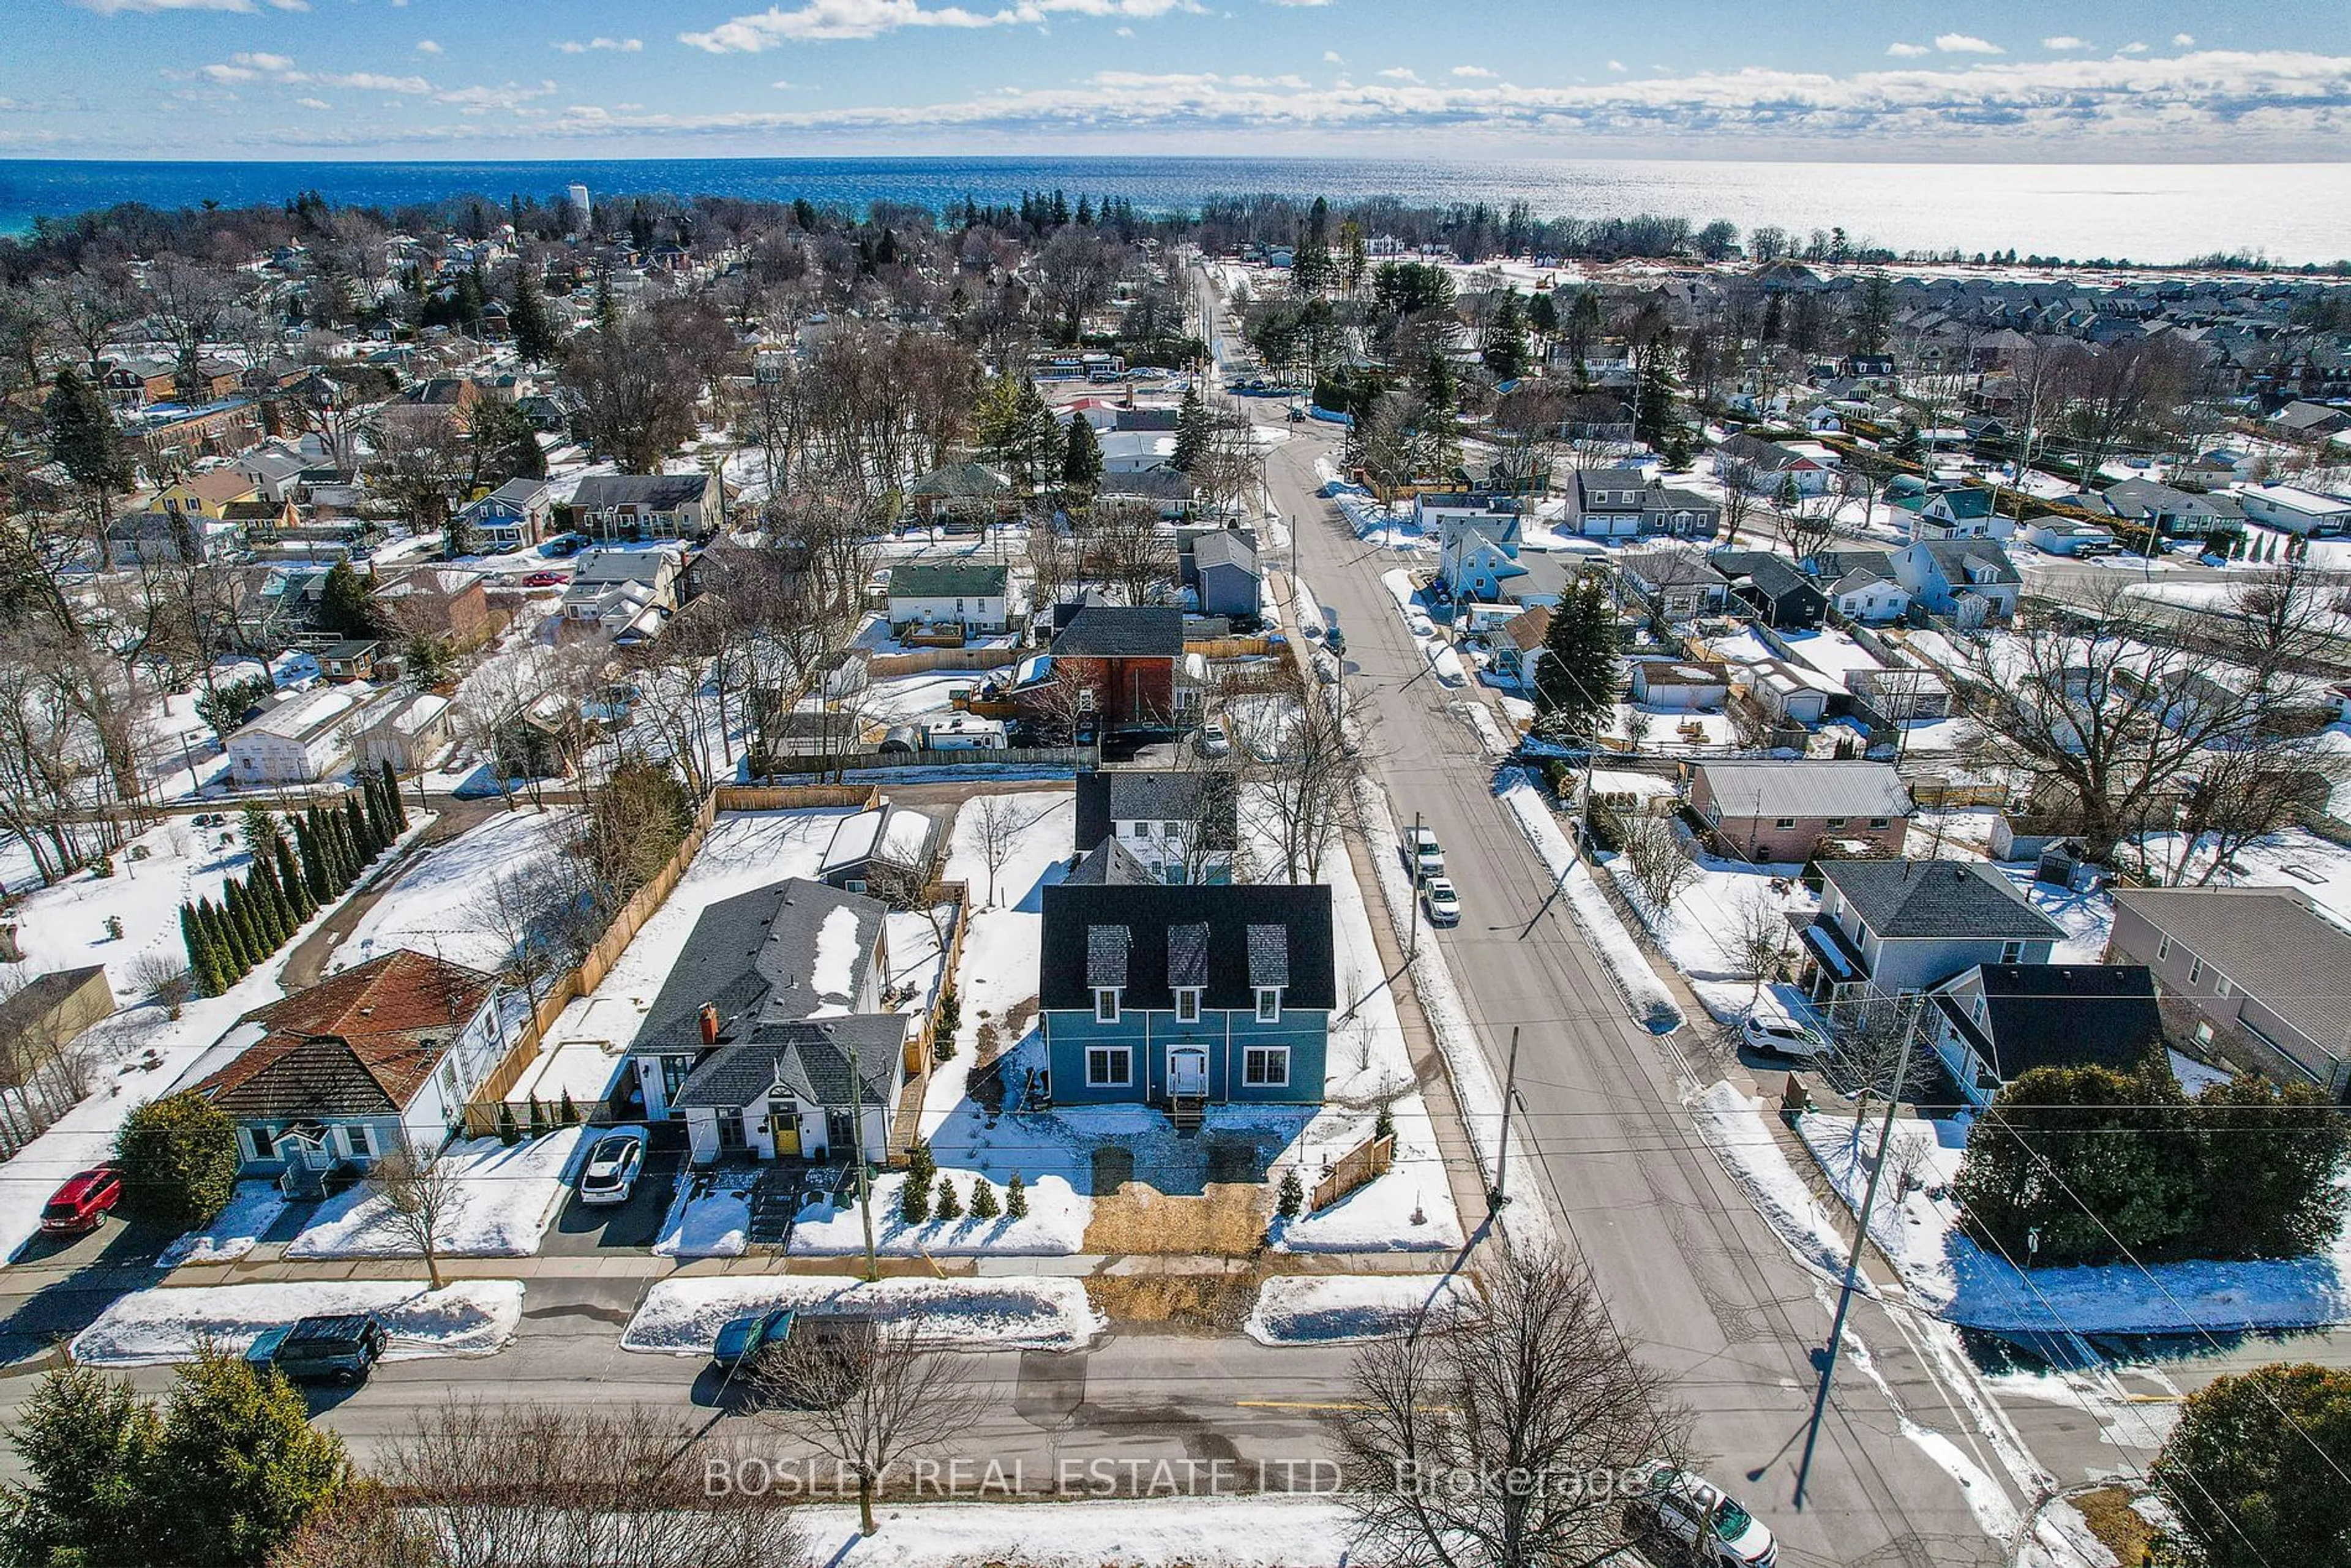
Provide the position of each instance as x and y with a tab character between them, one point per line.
543	580
84	1200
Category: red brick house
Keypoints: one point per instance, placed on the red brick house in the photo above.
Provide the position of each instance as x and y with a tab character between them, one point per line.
1113	665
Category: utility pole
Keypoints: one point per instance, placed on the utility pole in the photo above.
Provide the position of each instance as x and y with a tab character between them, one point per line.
857	1151
1853	1259
1412	944
1499	1196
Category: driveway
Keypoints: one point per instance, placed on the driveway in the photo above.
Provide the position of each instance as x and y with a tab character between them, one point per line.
583	1230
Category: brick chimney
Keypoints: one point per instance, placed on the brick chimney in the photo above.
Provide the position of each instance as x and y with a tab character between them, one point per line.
710	1023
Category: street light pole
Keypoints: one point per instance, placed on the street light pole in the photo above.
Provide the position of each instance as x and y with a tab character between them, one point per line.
1853	1260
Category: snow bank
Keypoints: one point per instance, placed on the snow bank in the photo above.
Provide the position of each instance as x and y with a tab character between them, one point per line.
1053	1228
1960	1282
505	1199
147	1328
709	1215
682	1317
1653	1006
1259	1531
1342	1309
252	1211
1734	1129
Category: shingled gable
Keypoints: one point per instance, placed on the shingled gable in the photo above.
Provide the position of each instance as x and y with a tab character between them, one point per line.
1148	939
753	958
1117	632
362	1042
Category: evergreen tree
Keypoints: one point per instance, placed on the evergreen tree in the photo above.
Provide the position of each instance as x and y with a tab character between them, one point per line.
570	1111
1291	1198
238	1466
1579	674
508	1133
379	818
1016	1198
914	1197
87	1444
347	604
1503	346
534	334
362	837
1191	430
179	1158
84	440
983	1199
200	953
2247	1464
1082	458
537	1118
242	942
950	1205
391	796
297	885
314	865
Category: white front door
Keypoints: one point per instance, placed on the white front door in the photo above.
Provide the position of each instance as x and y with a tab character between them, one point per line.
1187	1070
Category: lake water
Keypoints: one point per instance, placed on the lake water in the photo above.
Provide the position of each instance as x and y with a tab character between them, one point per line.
2292	212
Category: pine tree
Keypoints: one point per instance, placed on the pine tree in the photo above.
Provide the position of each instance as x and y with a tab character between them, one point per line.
508	1133
1191	430
534	334
290	878
537	1118
950	1205
362	837
84	440
313	857
1292	1196
391	796
379	818
1082	458
200	953
1579	674
914	1197
242	940
983	1199
1016	1198
238	1466
570	1111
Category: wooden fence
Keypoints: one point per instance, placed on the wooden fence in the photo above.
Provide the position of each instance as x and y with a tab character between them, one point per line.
883	665
1358	1166
795	797
1228	647
862	761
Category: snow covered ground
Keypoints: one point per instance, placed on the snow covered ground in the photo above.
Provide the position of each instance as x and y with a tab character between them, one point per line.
506	1196
439	904
148	1328
1256	1531
1444	661
256	1206
1706	914
1960	1282
709	1215
1643	992
683	1316
1731	1125
1344	1309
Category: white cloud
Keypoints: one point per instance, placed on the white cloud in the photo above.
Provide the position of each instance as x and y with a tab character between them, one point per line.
1616	66
1401	73
371	81
825	20
1907	52
479	98
252	65
1477	72
1121	32
312	103
1966	44
1333	57
427	47
2063	41
2183	40
2132	49
602	44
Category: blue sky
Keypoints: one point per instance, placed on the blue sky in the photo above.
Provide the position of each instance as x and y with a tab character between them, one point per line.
2090	81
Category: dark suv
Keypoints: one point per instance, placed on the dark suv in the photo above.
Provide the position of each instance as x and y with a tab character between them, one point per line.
342	1348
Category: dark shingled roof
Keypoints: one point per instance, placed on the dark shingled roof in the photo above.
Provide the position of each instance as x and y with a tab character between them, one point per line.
662	492
1107	949
948	579
2059	1015
1109	862
1897	898
809	1057
1114	631
1255	935
1109	796
1187	955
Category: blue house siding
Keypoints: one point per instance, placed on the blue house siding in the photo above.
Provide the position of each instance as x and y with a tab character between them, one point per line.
1223	1036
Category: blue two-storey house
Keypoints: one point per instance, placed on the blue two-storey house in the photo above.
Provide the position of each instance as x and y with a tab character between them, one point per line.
1184	997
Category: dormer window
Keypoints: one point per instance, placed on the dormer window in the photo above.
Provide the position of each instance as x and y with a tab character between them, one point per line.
1187	1003
1107	1004
1268	1004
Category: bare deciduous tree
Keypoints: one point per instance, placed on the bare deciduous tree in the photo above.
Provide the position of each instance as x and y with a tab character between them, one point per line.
1655	854
1465	1431
419	1191
1754	939
1302	784
997	823
867	1403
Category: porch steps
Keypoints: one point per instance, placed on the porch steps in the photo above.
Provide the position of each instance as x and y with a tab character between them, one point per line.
775	1204
1185	1111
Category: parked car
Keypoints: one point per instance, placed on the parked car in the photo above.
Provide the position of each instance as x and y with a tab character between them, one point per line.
342	1348
832	1357
563	545
610	1175
85	1199
1768	1029
1213	739
1428	856
544	580
744	1337
1700	1522
1444	904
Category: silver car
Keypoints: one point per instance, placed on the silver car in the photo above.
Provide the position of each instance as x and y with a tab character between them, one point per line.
610	1174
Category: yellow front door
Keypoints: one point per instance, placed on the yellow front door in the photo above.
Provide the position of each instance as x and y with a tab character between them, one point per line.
784	1127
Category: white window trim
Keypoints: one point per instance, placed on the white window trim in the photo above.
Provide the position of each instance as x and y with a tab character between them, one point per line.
1187	1003
1268	1004
1105	1004
1273	1055
1126	1056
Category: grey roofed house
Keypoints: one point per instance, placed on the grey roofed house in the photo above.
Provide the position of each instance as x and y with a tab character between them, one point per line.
949	580
1165	486
1841	569
2053	1015
772	956
2303	417
1158	419
1109	864
956	481
656	492
1663	569
1899	898
1803	788
1110	796
2259	958
811	1057
1226	546
1116	630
